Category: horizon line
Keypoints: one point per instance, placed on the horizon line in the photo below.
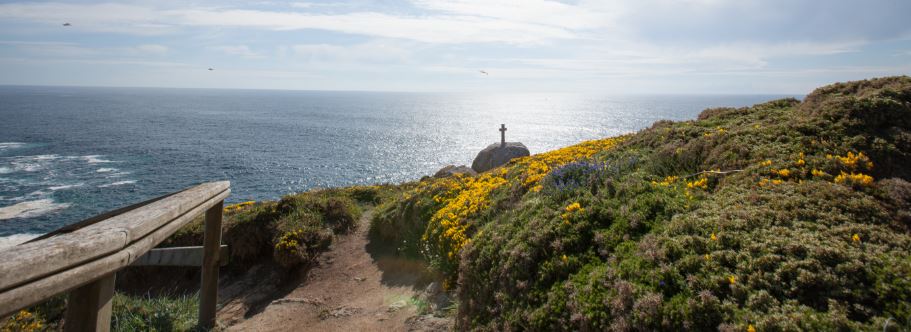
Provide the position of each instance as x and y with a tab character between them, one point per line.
4	85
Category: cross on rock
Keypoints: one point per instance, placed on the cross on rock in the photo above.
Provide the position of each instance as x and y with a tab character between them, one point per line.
502	134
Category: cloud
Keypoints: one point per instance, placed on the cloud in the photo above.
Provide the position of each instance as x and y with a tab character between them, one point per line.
153	49
548	13
453	26
70	50
370	52
51	48
556	42
238	50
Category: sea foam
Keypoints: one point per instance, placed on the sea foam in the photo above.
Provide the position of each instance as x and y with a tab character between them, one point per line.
94	159
10	145
118	183
31	209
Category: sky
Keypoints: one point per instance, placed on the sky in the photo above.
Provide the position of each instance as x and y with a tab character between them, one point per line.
613	47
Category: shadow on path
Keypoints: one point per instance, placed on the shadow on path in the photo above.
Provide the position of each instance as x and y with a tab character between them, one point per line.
396	268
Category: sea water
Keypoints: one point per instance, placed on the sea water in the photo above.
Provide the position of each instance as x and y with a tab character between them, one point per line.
67	153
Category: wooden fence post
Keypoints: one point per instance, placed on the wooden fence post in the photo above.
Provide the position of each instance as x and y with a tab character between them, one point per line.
208	292
89	307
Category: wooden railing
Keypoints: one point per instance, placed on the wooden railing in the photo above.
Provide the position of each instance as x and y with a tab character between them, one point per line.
83	259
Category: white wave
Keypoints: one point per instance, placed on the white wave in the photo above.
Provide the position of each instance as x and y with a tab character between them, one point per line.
105	170
15	239
31	209
65	186
5	170
94	159
118	174
118	183
10	145
42	157
41	192
30	163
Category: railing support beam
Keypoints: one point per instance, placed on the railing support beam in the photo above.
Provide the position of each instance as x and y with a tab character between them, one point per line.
89	307
208	293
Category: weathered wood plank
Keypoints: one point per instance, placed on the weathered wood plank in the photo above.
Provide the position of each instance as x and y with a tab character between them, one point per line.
139	222
98	218
178	256
39	289
89	306
208	292
17	264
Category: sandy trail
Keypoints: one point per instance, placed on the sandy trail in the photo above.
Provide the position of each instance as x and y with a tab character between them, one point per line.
356	286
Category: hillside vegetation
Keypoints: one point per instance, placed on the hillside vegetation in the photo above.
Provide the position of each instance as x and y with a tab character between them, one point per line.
786	215
782	216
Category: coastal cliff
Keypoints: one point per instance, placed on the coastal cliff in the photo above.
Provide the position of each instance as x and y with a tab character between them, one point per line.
785	215
781	216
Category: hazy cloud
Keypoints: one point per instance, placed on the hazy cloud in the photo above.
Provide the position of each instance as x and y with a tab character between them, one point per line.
441	45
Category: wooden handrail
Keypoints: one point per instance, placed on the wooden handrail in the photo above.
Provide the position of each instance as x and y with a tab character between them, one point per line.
88	256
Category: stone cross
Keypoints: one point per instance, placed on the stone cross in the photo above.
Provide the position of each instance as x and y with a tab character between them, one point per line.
502	134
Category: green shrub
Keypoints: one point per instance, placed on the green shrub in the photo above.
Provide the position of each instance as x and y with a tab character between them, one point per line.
786	215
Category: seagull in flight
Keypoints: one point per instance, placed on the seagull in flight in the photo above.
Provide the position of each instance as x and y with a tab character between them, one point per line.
484	72
67	24
210	69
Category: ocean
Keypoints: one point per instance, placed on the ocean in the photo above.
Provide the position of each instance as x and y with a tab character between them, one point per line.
68	153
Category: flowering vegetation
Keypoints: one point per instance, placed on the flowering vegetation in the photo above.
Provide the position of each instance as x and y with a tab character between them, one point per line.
771	217
462	197
458	202
238	206
533	169
24	320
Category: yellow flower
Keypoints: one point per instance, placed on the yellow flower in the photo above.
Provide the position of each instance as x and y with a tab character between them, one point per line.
238	206
776	181
800	162
573	207
750	328
701	183
570	210
537	166
667	181
766	163
818	173
784	172
564	258
854	179
732	279
707	257
714	238
855	238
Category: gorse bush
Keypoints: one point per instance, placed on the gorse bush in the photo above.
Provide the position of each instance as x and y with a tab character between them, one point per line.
786	215
293	230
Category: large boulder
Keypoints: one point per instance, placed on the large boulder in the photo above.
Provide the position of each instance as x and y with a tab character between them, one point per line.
495	155
451	170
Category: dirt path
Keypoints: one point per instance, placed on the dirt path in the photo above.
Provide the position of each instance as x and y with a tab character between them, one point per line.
356	286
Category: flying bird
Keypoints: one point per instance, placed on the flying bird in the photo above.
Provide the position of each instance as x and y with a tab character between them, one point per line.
484	72
210	69
67	24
